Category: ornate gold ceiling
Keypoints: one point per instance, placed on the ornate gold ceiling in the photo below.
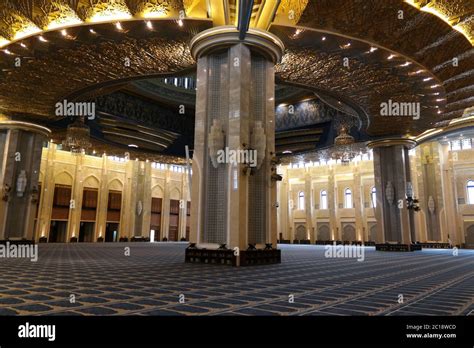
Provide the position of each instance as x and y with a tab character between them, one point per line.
54	70
90	53
430	38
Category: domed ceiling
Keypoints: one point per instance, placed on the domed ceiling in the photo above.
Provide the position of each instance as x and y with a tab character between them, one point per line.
342	57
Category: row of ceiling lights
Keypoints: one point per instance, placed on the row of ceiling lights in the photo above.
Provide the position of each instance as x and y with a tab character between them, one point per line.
390	57
118	26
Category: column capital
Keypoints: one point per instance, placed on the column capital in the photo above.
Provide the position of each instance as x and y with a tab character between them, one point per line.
226	36
26	126
408	143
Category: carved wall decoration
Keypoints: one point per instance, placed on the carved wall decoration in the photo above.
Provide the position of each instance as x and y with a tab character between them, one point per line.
389	192
259	142
216	141
323	232
431	205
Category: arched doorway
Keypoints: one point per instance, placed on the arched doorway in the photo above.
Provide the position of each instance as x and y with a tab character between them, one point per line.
301	233
349	233
323	233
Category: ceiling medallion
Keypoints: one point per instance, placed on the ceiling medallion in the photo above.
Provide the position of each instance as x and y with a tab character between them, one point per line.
77	137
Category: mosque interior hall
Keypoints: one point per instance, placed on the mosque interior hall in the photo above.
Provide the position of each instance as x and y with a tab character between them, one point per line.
239	151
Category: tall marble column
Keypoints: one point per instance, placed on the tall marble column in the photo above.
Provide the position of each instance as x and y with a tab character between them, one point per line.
142	200
21	145
101	220
308	194
233	203
284	207
332	194
392	173
358	204
431	190
450	222
75	209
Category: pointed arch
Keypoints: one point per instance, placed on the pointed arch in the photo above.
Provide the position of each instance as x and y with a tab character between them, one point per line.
157	191
175	193
115	184
92	181
64	178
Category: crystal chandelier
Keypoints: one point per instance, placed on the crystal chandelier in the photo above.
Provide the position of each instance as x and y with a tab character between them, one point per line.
77	137
344	148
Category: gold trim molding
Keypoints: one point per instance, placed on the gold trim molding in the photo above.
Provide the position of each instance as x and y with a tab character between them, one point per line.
225	36
408	143
26	126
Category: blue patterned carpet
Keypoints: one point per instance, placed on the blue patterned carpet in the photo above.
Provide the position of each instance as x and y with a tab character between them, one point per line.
150	281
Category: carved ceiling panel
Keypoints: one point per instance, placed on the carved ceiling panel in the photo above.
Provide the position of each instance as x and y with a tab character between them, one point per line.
432	33
53	70
318	60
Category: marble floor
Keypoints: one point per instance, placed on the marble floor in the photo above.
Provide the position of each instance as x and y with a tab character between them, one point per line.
99	279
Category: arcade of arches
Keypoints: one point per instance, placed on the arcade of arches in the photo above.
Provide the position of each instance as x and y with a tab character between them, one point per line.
311	198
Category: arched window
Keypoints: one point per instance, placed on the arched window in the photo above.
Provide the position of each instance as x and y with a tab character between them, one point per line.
373	197
301	200
470	192
323	201
347	198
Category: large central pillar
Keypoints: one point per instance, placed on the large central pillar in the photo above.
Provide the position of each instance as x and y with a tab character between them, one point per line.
21	145
392	177
235	193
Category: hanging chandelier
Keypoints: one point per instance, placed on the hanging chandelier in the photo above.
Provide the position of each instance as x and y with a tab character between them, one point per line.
344	149
77	137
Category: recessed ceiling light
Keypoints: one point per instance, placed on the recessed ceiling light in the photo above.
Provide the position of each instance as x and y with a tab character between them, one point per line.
439	111
434	86
406	64
372	49
41	38
149	25
23	45
133	145
287	151
64	32
391	56
297	33
441	99
118	25
92	31
323	38
7	51
427	79
437	93
180	23
418	71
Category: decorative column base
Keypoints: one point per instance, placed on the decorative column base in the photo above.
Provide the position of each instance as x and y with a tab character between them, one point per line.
397	247
228	257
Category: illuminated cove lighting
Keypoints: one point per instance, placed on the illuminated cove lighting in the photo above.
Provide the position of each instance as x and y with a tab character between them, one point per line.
154	13
432	10
64	22
109	15
3	42
28	30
